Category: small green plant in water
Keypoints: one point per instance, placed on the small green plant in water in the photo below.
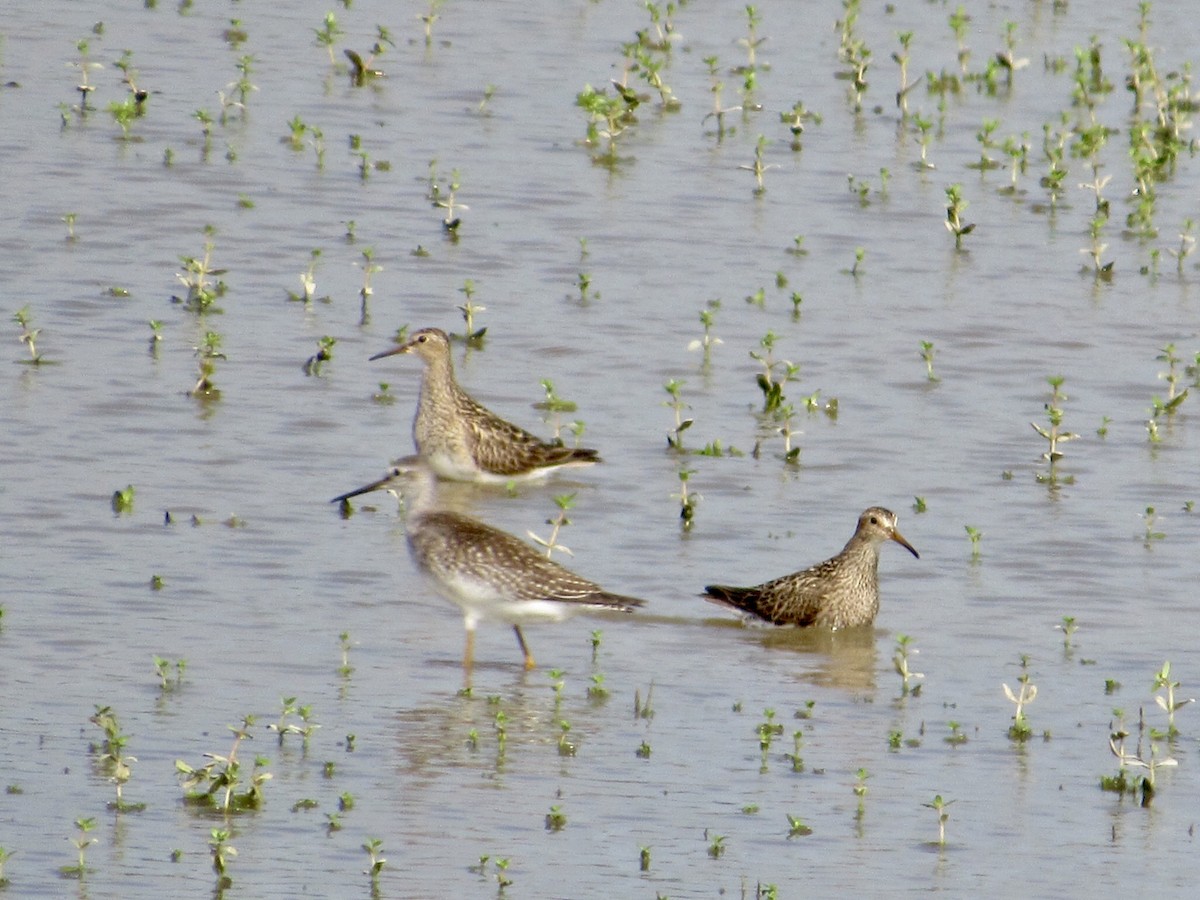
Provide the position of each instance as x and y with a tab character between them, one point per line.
974	535
927	352
900	661
29	335
956	736
216	783
939	806
1022	697
81	842
1166	700
675	437
955	206
1150	517
314	364
687	499
797	828
376	862
122	500
556	820
222	852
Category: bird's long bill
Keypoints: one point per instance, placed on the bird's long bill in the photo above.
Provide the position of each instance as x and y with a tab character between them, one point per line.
400	348
899	539
373	486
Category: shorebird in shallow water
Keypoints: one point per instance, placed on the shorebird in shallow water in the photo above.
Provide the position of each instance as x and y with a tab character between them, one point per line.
839	593
487	572
462	440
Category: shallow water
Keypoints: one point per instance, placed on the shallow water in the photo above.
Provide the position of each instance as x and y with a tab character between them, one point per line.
256	606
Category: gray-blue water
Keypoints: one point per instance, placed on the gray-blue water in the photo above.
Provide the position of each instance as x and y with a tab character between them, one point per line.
256	594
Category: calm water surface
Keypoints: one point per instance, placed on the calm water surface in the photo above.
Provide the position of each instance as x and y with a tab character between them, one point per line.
257	588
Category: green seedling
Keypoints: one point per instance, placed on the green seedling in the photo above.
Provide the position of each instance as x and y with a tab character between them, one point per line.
643	710
596	691
198	277
643	859
370	268
797	828
473	336
363	71
308	281
6	854
643	751
955	206
860	254
556	820
344	644
860	791
716	88
237	92
796	119
328	34
901	58
114	761
956	736
1068	628
919	505
314	364
709	340
81	842
283	727
215	784
122	500
1025	694
429	18
767	730
716	844
565	503
1166	700
759	167
675	436
975	536
156	581
794	757
69	219
608	118
449	203
1054	435
85	66
221	852
1150	517
687	499
566	747
900	661
162	668
939	806
207	353
124	111
374	847
1151	764
1187	243
927	353
29	335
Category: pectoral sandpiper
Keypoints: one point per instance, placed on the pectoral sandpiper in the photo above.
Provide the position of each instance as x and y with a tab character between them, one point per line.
839	593
462	440
487	572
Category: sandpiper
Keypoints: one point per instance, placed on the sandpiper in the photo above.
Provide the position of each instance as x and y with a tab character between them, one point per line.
462	440
839	593
487	572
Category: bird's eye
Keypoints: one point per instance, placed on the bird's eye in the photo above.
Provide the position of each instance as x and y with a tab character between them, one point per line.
874	521
422	338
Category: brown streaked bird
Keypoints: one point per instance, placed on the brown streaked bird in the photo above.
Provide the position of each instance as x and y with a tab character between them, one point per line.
487	572
841	592
462	440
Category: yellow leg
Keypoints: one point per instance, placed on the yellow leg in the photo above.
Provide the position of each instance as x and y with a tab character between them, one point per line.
530	662
469	652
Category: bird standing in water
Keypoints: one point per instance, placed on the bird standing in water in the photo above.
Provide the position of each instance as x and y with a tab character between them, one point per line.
462	440
839	593
487	572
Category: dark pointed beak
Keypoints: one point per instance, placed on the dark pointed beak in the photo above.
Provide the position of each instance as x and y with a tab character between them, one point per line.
899	539
403	348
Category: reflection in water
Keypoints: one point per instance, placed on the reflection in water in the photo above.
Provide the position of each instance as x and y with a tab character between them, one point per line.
845	659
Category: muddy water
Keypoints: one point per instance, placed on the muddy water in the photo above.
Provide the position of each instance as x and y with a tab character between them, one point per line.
260	583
